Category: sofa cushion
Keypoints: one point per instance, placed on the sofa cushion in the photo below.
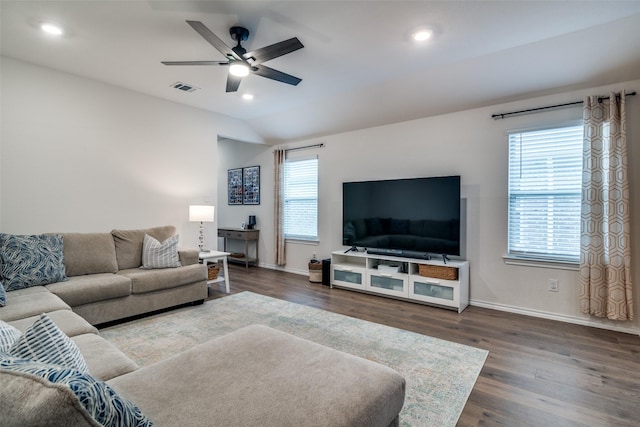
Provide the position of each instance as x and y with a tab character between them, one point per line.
68	322
9	334
26	304
31	260
79	290
105	360
264	377
89	253
144	281
129	244
45	342
157	254
37	381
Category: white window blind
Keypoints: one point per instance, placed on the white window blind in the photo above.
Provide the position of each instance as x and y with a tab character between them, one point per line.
301	199
545	170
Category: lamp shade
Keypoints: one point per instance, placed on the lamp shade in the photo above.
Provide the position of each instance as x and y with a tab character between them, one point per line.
201	213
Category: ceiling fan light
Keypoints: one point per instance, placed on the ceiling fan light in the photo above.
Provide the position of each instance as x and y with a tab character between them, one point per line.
51	29
423	34
238	70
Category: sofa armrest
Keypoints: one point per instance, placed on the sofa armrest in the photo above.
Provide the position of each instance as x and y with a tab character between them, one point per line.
188	256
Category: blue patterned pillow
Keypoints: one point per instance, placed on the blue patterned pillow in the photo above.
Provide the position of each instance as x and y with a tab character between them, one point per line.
101	401
31	260
8	335
3	296
45	342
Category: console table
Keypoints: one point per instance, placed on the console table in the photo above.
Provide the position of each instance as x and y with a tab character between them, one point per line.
246	236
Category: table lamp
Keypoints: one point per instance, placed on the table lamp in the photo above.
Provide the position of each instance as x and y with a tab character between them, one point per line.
202	214
252	222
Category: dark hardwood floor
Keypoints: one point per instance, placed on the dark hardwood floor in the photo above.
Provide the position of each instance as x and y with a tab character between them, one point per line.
538	372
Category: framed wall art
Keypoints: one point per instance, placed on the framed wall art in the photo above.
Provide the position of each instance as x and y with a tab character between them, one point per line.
234	186
251	185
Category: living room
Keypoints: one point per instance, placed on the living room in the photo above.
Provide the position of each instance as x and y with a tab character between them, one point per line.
82	155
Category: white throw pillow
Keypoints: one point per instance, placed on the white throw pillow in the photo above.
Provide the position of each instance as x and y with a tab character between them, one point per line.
160	255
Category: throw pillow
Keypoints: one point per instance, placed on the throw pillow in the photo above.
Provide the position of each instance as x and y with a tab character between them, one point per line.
45	342
100	401
31	260
3	296
8	335
160	255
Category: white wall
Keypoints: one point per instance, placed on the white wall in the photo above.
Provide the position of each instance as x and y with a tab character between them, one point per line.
79	155
472	144
234	154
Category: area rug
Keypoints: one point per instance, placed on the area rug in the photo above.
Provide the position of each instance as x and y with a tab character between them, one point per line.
439	374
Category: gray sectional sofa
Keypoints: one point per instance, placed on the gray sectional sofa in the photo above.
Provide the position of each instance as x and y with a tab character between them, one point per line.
255	376
105	281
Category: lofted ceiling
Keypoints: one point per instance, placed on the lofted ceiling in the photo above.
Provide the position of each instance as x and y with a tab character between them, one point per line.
359	66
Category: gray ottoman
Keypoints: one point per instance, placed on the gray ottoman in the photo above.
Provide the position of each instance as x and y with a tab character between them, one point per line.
258	376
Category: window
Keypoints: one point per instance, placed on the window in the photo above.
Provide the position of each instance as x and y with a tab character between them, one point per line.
545	172
301	199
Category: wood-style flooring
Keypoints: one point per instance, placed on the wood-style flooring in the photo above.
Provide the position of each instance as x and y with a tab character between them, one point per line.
538	373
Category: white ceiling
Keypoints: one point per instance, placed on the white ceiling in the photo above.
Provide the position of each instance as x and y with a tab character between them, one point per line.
359	66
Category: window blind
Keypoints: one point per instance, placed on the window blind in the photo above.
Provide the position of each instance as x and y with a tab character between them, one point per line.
545	172
301	199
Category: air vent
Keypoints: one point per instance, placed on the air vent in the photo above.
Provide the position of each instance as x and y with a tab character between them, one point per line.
185	87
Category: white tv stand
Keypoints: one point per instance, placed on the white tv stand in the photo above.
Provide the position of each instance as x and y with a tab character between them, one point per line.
375	274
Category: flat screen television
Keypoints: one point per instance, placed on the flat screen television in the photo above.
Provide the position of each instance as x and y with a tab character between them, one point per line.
412	217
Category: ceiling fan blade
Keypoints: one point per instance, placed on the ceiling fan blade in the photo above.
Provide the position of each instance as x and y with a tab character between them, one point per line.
194	63
233	83
213	39
270	73
273	51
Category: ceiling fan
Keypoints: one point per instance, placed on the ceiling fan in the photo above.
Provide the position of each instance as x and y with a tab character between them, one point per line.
241	62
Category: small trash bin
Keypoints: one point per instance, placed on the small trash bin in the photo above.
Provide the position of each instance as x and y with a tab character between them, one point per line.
315	271
326	272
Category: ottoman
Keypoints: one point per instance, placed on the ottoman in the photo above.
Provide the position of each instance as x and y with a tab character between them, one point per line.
258	376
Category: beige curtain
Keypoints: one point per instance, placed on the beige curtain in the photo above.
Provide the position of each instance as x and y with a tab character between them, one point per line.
605	253
279	156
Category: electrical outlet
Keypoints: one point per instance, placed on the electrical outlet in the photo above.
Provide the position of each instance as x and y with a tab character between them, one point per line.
554	285
313	255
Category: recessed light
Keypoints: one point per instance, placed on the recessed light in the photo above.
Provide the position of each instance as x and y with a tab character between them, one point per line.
51	29
247	96
422	34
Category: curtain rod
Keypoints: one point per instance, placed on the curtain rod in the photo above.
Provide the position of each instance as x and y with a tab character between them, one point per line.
535	110
320	145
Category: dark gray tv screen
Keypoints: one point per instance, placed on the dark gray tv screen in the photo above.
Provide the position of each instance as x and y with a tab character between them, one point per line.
407	217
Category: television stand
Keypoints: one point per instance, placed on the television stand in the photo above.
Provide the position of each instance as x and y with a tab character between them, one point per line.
443	283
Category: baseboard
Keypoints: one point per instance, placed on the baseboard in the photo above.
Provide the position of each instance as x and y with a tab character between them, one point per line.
509	309
285	269
554	316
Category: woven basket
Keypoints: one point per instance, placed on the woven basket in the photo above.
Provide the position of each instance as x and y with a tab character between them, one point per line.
212	271
438	272
315	266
